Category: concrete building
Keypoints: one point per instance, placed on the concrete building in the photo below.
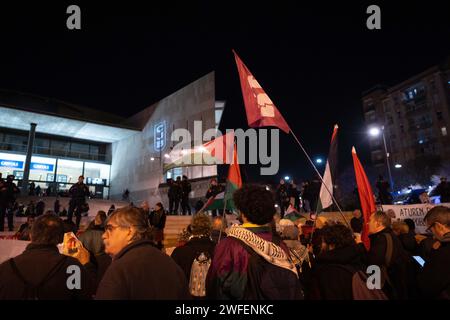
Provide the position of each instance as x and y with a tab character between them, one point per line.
113	153
415	116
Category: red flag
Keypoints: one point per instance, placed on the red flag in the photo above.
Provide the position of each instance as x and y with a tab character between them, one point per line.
365	196
260	109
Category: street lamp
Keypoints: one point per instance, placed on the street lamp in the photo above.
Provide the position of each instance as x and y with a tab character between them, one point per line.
319	161
398	166
374	132
286	178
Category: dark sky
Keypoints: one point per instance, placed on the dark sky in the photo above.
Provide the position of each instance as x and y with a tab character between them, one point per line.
313	60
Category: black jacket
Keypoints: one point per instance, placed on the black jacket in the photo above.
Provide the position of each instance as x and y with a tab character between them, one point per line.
409	242
34	264
399	269
78	192
185	188
434	278
185	255
157	219
332	274
442	190
214	191
282	193
140	271
174	190
8	191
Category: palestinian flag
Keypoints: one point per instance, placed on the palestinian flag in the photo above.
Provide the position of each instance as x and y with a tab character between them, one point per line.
325	198
217	151
217	202
234	182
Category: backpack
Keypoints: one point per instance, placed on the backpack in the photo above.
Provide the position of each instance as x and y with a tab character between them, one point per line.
360	290
31	291
199	270
266	281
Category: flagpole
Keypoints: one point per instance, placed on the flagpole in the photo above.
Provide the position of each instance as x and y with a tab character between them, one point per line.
223	215
320	176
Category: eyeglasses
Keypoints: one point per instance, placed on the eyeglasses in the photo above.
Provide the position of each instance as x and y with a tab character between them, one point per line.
109	228
431	226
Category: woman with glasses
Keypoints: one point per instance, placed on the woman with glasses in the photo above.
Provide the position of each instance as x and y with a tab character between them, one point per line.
138	270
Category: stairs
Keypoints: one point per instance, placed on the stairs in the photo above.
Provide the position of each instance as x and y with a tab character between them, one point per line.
174	226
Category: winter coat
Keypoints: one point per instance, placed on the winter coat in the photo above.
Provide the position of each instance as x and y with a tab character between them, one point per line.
141	272
78	192
34	264
227	277
331	278
185	189
213	191
398	271
434	278
185	255
409	242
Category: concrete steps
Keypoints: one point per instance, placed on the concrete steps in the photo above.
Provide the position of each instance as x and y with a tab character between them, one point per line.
174	226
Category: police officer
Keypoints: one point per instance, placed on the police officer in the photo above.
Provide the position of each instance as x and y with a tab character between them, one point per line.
8	191
78	192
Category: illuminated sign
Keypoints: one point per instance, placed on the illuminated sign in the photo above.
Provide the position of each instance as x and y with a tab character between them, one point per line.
97	181
41	166
159	132
11	163
19	165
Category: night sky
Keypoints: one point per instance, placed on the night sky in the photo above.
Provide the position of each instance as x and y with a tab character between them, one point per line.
313	60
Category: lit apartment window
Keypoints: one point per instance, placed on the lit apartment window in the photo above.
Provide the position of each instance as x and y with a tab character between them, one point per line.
444	131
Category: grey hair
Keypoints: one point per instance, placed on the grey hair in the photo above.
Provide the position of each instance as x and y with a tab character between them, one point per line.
439	214
132	217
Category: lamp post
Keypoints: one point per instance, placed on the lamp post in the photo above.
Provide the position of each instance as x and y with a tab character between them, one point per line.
376	132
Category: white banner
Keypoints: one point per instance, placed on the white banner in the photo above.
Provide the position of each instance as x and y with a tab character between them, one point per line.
416	212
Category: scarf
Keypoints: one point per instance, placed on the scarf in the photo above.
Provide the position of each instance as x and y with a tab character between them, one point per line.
266	249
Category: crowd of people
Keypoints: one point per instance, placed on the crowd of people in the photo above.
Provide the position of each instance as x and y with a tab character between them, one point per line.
263	256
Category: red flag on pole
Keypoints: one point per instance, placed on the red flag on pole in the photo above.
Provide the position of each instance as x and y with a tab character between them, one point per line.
365	196
260	109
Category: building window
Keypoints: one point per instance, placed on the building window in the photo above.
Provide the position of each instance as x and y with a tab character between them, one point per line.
174	173
96	173
42	169
12	164
439	115
68	171
444	131
79	150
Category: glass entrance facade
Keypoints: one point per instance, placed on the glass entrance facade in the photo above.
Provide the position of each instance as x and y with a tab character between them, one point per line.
56	176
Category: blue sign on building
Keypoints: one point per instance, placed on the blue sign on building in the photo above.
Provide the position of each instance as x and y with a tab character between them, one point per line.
159	132
11	164
19	165
41	166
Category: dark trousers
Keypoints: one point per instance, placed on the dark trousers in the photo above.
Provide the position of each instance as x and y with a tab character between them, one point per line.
173	204
9	213
77	207
185	206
